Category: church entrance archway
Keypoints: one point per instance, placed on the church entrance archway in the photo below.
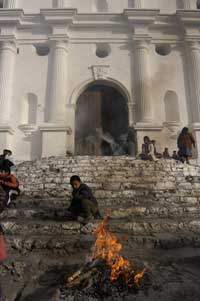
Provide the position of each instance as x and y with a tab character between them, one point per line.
101	121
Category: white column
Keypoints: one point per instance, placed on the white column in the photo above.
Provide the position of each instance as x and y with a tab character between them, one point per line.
138	4
61	3
189	4
193	65
57	85
7	64
10	4
142	81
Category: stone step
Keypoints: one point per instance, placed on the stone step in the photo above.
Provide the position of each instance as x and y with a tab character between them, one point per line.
136	226
68	244
116	212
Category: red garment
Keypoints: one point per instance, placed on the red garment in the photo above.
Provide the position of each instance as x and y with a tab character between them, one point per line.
186	140
3	253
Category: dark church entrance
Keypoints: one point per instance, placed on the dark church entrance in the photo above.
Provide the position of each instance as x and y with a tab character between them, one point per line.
101	121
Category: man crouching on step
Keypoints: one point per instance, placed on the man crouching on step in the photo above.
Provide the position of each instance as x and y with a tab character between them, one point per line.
10	185
84	206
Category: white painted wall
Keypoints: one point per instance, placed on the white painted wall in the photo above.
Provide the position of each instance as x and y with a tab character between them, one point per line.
115	6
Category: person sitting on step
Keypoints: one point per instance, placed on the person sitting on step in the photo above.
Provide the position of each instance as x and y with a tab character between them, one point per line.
147	150
166	154
84	206
10	185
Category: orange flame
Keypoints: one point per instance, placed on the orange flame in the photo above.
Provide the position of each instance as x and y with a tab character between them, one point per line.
107	247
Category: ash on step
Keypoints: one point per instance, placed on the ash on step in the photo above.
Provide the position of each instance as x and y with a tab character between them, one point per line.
10	186
84	205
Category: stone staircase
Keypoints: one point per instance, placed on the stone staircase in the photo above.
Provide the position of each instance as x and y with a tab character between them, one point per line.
153	207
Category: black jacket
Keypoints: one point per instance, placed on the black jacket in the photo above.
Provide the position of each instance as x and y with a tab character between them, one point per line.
5	163
83	193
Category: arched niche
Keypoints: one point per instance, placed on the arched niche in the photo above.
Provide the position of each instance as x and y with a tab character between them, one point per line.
171	103
29	109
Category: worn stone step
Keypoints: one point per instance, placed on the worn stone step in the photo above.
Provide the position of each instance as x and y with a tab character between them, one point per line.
116	211
64	244
138	225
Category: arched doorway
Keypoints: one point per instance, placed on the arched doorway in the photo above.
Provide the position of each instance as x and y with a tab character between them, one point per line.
101	121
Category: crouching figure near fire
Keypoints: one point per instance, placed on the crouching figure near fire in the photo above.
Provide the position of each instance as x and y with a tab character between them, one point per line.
10	185
84	206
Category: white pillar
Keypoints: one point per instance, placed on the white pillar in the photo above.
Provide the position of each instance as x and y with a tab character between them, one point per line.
142	81
10	4
57	85
138	4
193	65
61	3
189	4
7	64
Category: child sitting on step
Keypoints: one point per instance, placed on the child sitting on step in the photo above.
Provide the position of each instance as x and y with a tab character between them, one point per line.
84	206
10	185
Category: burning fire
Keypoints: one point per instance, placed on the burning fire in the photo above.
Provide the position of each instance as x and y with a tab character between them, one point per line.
108	248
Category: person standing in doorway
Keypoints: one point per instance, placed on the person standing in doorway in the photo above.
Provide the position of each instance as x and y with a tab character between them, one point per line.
185	144
131	141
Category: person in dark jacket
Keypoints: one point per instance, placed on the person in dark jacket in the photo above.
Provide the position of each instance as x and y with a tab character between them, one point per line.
5	161
83	203
10	185
131	143
185	144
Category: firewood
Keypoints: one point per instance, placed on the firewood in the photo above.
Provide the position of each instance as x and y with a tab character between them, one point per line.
74	276
77	281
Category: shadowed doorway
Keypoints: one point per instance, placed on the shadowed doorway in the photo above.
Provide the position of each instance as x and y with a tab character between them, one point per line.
101	120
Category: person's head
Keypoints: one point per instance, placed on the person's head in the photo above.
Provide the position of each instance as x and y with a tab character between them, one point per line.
75	182
146	140
5	171
153	142
174	152
166	150
185	130
7	152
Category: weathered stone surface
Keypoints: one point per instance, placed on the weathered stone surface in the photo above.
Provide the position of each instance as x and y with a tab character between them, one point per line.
154	209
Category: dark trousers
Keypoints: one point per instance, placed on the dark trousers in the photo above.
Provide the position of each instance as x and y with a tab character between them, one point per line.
11	194
84	208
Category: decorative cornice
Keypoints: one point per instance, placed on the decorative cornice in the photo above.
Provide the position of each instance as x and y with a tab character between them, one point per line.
11	16
28	129
195	126
148	127
55	127
188	17
141	16
6	129
58	16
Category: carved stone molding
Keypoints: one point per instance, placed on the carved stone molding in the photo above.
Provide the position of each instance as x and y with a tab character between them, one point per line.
28	129
100	71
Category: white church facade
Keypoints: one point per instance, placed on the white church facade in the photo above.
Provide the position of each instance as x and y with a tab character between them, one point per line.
69	67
